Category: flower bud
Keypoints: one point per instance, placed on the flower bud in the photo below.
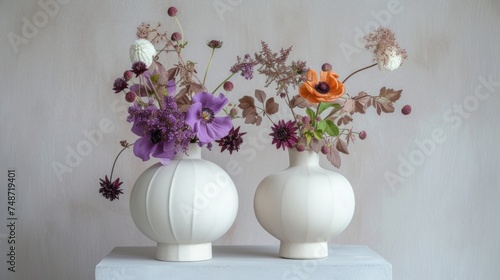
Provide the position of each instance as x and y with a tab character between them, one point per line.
172	11
406	110
325	149
233	113
362	135
128	75
130	96
306	119
228	86
326	67
215	44
176	36
300	147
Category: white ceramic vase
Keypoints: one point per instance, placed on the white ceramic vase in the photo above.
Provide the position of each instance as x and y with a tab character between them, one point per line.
184	206
303	206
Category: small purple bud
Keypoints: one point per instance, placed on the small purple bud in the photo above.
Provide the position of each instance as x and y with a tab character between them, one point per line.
215	44
325	149
128	75
172	11
300	147
228	86
362	135
306	120
176	36
130	96
326	67
406	110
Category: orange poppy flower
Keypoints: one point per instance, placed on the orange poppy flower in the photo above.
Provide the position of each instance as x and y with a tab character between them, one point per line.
328	88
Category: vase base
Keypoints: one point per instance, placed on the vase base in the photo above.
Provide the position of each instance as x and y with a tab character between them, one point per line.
184	252
314	250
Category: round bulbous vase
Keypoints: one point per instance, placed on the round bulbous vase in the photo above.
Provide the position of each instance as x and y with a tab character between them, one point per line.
184	206
303	206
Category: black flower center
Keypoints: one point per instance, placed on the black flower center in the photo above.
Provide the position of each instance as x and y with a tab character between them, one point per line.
322	88
156	136
207	115
282	134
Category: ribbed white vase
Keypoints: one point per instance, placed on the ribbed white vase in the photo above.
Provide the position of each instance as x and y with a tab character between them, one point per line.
184	206
303	206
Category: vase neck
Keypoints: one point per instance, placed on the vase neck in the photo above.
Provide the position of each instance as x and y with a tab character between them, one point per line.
194	152
304	158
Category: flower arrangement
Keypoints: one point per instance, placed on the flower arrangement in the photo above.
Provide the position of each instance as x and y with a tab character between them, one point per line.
171	106
319	106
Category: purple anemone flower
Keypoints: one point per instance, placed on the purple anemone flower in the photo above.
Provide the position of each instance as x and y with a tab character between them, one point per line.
163	131
201	117
151	143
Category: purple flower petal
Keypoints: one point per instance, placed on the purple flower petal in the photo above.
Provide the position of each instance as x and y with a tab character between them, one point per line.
193	115
217	129
138	129
164	150
171	87
209	101
143	147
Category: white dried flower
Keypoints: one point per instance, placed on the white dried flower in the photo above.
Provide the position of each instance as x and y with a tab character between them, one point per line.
389	59
142	50
386	51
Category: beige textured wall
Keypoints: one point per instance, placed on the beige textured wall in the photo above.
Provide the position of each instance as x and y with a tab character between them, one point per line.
440	221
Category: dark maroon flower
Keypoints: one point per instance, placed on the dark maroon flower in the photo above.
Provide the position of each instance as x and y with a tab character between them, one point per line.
172	11
232	141
284	134
110	190
406	110
119	85
138	68
215	44
362	135
176	36
228	86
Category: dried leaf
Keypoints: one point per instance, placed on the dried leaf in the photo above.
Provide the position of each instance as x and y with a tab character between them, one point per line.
162	73
250	119
316	144
383	105
258	120
349	106
260	95
249	111
183	102
299	101
271	106
172	72
390	94
246	102
344	120
362	101
342	146
334	157
253	119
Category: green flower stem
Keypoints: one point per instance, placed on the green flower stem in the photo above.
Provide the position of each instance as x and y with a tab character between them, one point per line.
113	168
359	70
221	84
157	96
208	66
182	32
